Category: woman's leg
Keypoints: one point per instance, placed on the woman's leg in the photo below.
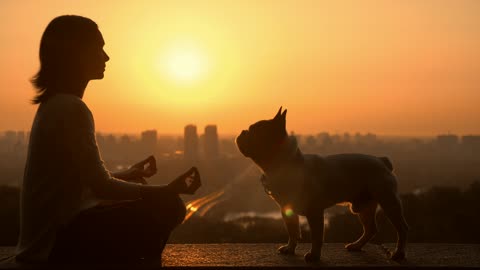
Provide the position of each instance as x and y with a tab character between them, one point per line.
119	232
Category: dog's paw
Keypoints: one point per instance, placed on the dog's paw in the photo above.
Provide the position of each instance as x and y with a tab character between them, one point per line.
397	255
311	257
287	250
353	247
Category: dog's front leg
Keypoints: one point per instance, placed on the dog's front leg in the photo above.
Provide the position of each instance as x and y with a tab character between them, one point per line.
293	228
315	221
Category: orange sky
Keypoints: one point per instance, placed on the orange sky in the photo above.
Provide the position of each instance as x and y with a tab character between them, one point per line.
388	67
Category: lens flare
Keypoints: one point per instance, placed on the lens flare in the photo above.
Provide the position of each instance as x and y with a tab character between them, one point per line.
289	212
206	203
195	205
209	206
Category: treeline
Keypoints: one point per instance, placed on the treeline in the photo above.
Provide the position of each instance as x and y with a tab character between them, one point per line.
440	214
437	215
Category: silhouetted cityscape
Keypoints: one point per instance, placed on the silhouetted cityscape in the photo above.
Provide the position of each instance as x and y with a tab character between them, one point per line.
435	174
119	151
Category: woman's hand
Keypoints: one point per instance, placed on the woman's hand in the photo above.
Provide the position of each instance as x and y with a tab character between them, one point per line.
186	183
144	168
138	172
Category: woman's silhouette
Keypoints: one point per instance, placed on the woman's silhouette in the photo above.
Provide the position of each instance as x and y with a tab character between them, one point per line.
72	208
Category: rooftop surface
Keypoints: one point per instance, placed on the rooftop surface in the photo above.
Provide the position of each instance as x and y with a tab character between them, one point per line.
333	256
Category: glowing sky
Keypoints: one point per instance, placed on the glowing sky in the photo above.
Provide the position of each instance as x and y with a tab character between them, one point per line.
389	67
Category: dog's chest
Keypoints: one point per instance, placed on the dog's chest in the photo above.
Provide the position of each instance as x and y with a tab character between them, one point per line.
287	188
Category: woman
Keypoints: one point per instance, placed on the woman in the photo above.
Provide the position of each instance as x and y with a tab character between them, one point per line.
72	208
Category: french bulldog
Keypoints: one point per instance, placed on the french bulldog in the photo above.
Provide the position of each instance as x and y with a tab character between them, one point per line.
306	184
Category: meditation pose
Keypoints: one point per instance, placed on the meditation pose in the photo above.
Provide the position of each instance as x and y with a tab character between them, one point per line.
72	208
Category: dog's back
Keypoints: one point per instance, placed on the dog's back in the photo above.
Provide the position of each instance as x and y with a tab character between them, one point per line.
347	177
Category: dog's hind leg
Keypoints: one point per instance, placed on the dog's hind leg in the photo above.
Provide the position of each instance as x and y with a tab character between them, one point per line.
367	217
392	207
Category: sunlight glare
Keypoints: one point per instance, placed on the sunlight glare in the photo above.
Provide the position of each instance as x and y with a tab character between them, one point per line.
184	64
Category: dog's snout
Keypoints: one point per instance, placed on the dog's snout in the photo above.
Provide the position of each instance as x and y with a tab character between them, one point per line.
243	134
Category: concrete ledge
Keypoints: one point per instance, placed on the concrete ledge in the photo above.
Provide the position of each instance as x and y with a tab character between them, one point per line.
265	256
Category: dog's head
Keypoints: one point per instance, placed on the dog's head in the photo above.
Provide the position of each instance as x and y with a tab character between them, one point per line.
263	139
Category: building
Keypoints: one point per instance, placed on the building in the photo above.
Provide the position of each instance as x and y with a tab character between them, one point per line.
447	140
471	141
210	141
190	138
10	137
148	140
21	138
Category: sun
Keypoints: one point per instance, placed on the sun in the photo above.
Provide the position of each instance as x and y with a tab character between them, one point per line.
185	64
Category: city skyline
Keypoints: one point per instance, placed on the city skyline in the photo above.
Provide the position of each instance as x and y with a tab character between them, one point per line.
138	134
210	137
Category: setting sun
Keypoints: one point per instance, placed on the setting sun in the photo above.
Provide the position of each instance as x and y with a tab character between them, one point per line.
184	64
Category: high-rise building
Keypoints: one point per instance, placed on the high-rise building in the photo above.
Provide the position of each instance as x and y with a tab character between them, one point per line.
210	146
190	138
149	139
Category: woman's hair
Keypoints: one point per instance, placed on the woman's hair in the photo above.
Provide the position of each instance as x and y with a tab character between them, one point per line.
63	40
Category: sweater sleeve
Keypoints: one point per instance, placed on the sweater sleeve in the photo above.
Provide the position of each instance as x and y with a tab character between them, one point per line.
86	160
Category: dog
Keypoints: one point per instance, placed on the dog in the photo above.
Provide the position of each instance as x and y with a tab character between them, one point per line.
305	184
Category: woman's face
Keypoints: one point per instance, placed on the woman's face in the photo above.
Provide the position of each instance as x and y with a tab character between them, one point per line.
94	58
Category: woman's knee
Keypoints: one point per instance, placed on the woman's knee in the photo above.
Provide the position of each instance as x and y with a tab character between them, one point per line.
178	210
169	210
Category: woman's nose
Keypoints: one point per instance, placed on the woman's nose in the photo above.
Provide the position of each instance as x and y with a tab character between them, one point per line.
105	56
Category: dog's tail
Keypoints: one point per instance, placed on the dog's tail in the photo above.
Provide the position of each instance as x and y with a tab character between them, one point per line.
387	163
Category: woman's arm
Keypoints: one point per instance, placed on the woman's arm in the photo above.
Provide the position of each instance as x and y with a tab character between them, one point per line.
86	160
123	175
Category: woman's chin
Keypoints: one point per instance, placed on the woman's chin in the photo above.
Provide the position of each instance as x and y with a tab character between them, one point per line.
98	76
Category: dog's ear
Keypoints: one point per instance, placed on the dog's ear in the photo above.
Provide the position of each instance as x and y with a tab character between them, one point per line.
281	117
279	113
